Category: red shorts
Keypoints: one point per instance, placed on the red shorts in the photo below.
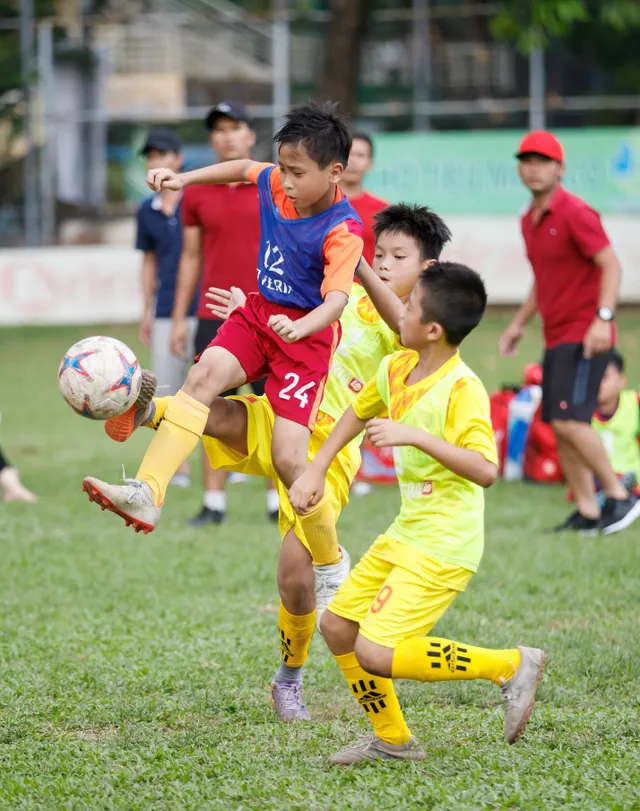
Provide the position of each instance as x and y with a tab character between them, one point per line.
296	373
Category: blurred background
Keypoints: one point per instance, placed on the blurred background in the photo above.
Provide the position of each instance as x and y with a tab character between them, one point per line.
445	87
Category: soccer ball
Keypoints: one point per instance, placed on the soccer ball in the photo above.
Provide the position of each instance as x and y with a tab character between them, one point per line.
99	377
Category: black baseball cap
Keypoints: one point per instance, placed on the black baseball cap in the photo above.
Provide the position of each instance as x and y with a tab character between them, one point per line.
163	141
227	109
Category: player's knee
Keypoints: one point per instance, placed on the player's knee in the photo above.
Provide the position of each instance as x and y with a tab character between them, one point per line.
373	658
336	631
200	383
219	415
289	461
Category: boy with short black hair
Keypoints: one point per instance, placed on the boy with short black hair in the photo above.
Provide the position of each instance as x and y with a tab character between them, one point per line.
617	421
311	242
439	425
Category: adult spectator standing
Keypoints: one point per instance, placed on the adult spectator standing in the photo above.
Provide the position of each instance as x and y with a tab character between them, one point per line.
366	205
221	239
159	237
575	290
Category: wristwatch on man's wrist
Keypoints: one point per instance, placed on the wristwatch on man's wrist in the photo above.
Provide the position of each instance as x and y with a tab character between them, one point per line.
606	314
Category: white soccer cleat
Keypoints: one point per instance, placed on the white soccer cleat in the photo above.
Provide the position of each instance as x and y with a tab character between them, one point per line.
519	693
371	748
132	501
328	581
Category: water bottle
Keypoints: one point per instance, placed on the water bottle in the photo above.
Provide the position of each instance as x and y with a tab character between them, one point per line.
522	410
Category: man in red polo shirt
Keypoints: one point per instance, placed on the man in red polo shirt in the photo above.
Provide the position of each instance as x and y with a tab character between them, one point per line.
221	239
575	290
365	204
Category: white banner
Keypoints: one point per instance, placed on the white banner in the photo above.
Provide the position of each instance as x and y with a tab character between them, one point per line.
94	284
494	247
99	284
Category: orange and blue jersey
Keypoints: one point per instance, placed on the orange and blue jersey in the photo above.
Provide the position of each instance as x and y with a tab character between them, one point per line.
302	259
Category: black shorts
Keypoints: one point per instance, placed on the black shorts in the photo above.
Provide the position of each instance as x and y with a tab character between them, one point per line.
570	383
205	333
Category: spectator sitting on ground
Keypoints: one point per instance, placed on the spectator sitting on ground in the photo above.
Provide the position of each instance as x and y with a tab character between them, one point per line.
617	420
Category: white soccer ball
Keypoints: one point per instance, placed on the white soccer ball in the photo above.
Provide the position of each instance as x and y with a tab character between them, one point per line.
100	377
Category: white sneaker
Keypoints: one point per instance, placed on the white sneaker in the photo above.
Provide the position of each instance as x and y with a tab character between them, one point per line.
180	480
372	748
328	581
237	478
519	693
132	501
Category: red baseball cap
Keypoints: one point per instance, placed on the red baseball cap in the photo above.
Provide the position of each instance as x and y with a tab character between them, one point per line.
541	142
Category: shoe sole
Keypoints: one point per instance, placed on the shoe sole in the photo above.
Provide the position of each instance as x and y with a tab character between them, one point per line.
286	720
630	517
121	427
99	498
525	718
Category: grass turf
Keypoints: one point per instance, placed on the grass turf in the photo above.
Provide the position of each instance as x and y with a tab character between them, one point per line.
134	671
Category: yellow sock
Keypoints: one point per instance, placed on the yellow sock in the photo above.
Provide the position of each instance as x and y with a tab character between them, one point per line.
320	531
178	434
161	404
296	631
377	698
433	659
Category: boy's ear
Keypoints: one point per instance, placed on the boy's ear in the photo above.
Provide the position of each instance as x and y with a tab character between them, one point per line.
435	331
337	170
428	263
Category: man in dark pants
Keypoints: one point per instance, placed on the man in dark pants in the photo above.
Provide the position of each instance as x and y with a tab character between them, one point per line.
577	278
221	239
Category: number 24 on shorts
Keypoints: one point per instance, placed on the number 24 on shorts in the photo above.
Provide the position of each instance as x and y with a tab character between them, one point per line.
292	390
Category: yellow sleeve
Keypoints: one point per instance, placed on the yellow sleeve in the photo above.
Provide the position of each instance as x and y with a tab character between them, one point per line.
468	422
369	404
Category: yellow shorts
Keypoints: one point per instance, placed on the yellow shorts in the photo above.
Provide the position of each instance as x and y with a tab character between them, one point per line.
258	462
395	592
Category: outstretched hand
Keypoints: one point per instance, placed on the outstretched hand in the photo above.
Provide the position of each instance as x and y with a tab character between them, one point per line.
223	302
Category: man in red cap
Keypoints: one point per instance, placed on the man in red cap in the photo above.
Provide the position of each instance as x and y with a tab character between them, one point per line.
575	290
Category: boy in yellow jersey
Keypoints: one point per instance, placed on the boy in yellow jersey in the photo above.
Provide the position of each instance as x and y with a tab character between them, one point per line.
445	455
238	433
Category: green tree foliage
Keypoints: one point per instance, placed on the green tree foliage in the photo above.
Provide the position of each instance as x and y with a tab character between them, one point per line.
534	23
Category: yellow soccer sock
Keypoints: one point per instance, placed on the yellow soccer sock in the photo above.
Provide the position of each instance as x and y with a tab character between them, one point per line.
320	531
433	659
377	698
296	631
178	434
161	404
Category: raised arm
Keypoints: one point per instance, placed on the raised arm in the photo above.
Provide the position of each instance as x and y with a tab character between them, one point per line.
225	172
388	305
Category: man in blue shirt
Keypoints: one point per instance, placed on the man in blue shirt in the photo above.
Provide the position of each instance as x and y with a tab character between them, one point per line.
159	236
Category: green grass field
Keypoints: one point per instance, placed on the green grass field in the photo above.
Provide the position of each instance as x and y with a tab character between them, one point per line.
135	671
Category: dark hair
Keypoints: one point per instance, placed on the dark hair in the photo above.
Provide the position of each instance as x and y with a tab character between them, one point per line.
417	222
617	360
454	296
320	130
363	136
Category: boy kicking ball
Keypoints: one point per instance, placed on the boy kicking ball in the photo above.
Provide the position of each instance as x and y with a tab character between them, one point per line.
445	455
311	243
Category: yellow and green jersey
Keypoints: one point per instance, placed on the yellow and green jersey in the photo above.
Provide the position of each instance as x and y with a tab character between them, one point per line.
442	514
620	434
365	341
